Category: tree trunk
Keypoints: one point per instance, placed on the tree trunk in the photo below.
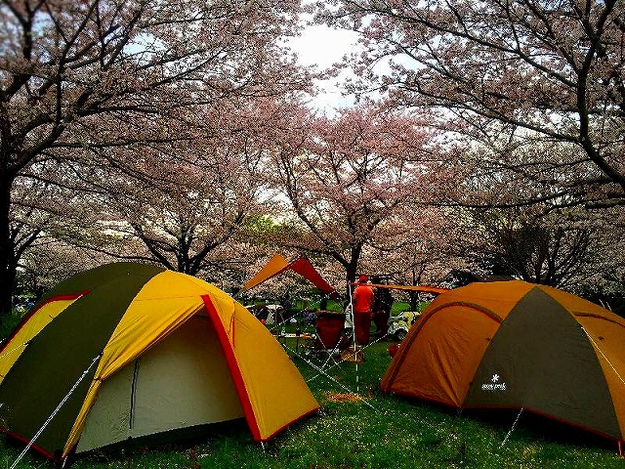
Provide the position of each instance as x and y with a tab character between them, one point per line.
350	273
351	269
7	257
350	276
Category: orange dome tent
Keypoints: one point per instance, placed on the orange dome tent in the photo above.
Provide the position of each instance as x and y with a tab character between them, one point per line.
517	345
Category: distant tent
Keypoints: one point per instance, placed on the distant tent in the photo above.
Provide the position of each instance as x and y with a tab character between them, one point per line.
148	351
517	345
278	265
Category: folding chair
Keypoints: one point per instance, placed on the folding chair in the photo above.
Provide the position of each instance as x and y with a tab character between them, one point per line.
330	337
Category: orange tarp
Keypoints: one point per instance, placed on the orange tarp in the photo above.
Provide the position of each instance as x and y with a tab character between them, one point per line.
417	288
275	265
278	264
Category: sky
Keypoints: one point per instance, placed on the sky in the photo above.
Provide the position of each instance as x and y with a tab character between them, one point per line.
322	46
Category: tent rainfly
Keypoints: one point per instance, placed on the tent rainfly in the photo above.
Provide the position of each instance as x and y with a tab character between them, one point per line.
278	265
129	351
520	346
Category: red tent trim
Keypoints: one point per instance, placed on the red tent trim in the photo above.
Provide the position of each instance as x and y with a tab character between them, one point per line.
32	446
233	365
37	308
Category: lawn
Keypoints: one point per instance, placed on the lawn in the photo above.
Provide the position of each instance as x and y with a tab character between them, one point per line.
365	430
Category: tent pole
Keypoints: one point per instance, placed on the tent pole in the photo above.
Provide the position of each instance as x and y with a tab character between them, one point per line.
350	309
54	412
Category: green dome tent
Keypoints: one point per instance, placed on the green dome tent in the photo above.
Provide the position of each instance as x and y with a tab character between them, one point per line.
129	351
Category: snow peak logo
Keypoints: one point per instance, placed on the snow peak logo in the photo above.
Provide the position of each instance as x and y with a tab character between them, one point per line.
494	384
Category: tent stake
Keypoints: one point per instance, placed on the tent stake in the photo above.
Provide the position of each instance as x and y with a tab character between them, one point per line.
54	412
516	420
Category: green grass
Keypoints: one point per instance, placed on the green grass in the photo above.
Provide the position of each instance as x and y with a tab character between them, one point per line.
375	432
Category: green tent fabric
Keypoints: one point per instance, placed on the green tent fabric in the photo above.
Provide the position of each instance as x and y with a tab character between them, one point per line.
517	345
134	351
55	358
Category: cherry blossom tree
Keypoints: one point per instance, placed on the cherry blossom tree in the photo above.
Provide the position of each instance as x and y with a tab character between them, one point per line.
82	74
30	215
500	174
48	261
180	204
517	71
534	244
605	281
419	245
519	217
346	177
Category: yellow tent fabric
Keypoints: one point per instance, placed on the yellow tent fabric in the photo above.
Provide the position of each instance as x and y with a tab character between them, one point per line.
20	338
256	360
261	365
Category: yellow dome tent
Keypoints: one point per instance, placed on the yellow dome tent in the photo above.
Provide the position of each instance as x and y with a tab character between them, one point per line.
128	351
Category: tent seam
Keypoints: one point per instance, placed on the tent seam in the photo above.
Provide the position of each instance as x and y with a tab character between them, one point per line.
233	365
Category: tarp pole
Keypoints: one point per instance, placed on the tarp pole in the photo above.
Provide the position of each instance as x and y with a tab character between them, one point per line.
54	412
354	343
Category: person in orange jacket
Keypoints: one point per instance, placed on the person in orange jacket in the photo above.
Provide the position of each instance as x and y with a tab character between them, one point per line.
363	299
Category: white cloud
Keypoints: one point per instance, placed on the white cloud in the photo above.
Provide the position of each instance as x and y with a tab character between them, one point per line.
322	47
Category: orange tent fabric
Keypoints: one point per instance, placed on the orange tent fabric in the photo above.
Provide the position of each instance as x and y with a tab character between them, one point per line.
517	345
275	265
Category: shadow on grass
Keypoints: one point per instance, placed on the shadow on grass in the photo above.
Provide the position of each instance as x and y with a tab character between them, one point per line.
529	427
